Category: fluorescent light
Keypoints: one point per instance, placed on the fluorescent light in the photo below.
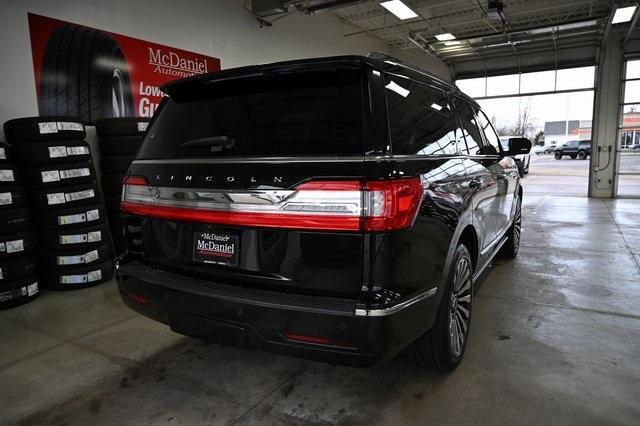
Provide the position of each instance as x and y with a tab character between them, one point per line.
436	107
445	37
623	14
452	43
399	9
392	85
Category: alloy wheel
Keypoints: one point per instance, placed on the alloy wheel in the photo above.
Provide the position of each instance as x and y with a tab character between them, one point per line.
460	307
517	226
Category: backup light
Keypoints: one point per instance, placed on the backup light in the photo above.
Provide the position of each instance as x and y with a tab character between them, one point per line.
624	14
398	8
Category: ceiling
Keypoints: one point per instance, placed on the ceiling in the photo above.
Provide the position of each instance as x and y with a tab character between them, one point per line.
526	27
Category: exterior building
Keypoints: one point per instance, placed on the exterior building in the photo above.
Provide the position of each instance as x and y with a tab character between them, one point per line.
559	132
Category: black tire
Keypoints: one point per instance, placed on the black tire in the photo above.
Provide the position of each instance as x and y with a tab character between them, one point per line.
582	155
71	218
12	196
83	70
122	126
34	129
15	220
112	184
59	175
437	348
74	258
557	155
115	164
17	244
19	292
52	152
58	198
15	269
80	277
9	174
573	156
510	249
6	152
123	145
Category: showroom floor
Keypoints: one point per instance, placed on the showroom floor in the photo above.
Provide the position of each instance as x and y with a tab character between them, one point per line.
555	339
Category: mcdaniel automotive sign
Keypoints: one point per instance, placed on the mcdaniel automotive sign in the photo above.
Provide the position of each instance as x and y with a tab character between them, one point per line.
89	73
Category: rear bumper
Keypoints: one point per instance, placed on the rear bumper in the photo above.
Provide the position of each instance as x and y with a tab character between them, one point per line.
274	321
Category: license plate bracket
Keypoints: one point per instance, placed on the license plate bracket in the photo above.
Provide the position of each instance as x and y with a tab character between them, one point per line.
216	248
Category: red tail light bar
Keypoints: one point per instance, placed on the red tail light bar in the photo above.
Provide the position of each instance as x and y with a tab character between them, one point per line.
337	205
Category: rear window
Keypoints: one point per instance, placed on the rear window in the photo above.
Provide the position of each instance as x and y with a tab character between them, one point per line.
271	114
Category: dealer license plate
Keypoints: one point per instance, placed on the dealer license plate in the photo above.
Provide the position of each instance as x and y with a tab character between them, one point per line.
217	248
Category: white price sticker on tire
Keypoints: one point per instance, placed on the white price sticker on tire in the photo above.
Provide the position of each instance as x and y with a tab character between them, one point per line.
6	175
93	215
73	279
73	239
68	125
5	198
92	256
15	246
94	275
50	176
57	151
56	198
95	236
74	173
77	150
3	154
48	127
32	289
142	126
80	195
69	260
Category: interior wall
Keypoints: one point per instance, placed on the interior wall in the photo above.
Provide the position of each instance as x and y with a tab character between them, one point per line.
220	28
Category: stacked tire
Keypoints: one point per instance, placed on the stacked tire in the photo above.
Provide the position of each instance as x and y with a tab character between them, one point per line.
18	268
119	141
73	239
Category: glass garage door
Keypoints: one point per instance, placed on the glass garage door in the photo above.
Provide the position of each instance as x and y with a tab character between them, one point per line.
628	149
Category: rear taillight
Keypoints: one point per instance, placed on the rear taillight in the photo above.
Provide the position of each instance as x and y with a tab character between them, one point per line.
338	205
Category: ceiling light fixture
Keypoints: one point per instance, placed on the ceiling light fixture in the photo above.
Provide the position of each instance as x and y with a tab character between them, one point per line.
452	43
401	10
624	14
445	37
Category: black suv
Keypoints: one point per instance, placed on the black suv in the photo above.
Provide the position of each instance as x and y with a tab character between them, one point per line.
579	149
338	209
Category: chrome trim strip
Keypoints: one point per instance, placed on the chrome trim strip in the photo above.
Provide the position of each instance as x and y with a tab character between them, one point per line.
480	270
302	159
395	308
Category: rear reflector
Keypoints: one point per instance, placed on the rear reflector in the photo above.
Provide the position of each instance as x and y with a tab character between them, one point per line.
316	340
337	205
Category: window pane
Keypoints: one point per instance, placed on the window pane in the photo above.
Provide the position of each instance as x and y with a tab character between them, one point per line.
630	116
470	128
631	92
503	85
533	82
633	69
575	78
474	87
315	113
490	134
421	119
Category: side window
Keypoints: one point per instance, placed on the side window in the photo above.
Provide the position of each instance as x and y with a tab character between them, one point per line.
490	134
420	118
470	128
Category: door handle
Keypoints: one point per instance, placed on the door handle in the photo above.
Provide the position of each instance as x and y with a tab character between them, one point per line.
474	183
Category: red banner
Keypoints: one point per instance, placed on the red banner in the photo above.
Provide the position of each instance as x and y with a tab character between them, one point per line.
89	73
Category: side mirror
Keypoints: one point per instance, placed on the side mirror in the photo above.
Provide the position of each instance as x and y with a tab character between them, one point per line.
518	146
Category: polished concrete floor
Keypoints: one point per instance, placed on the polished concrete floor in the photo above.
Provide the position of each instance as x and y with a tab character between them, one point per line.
555	339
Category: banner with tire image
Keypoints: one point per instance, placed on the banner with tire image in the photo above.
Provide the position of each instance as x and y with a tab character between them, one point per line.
89	73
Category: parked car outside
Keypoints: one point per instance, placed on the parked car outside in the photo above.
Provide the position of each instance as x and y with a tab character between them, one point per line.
522	160
635	147
539	149
574	149
339	209
549	149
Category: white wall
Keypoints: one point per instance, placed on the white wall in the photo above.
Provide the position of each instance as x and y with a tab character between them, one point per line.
219	28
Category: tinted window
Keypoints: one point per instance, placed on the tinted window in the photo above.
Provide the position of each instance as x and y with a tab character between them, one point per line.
470	128
490	134
310	113
420	118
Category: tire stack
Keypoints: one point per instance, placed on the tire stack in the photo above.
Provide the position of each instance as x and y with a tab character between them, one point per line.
18	269
119	140
73	239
